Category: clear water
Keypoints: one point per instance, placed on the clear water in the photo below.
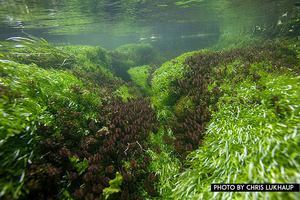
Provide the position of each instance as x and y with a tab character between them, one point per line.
172	25
64	131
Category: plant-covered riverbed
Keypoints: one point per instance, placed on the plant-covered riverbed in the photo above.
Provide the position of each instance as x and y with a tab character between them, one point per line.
141	99
81	122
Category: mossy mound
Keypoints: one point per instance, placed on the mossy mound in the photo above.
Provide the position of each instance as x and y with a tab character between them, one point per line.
94	65
67	132
132	55
189	76
251	138
88	54
35	51
161	83
140	54
140	75
238	110
32	99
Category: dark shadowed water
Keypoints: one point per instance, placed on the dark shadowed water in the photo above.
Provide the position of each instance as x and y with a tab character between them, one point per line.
172	25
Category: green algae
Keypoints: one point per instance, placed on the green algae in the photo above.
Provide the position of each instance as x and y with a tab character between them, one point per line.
163	77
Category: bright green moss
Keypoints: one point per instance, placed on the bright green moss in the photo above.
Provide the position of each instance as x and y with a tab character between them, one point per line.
31	86
124	92
164	76
139	75
95	55
90	64
93	65
132	55
30	97
35	51
114	186
27	90
252	138
139	54
164	163
184	104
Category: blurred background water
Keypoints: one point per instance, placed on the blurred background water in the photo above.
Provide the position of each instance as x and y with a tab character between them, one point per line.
173	26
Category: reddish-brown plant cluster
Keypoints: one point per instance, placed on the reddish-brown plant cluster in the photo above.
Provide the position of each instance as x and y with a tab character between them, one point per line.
125	141
189	126
97	77
119	146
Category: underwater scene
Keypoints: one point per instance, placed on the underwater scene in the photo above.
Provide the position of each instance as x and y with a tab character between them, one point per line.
144	99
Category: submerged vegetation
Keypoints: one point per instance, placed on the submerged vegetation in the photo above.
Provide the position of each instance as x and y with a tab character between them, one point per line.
60	128
236	115
133	122
252	136
72	129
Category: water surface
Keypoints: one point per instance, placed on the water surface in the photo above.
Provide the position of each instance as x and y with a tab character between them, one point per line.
173	26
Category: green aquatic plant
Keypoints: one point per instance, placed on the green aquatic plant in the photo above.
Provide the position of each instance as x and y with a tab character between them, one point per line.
38	104
31	98
35	51
164	76
88	54
31	86
90	64
60	109
139	75
164	162
125	93
214	80
194	74
80	132
114	186
80	166
140	54
183	105
251	138
119	64
162	94
125	57
93	65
